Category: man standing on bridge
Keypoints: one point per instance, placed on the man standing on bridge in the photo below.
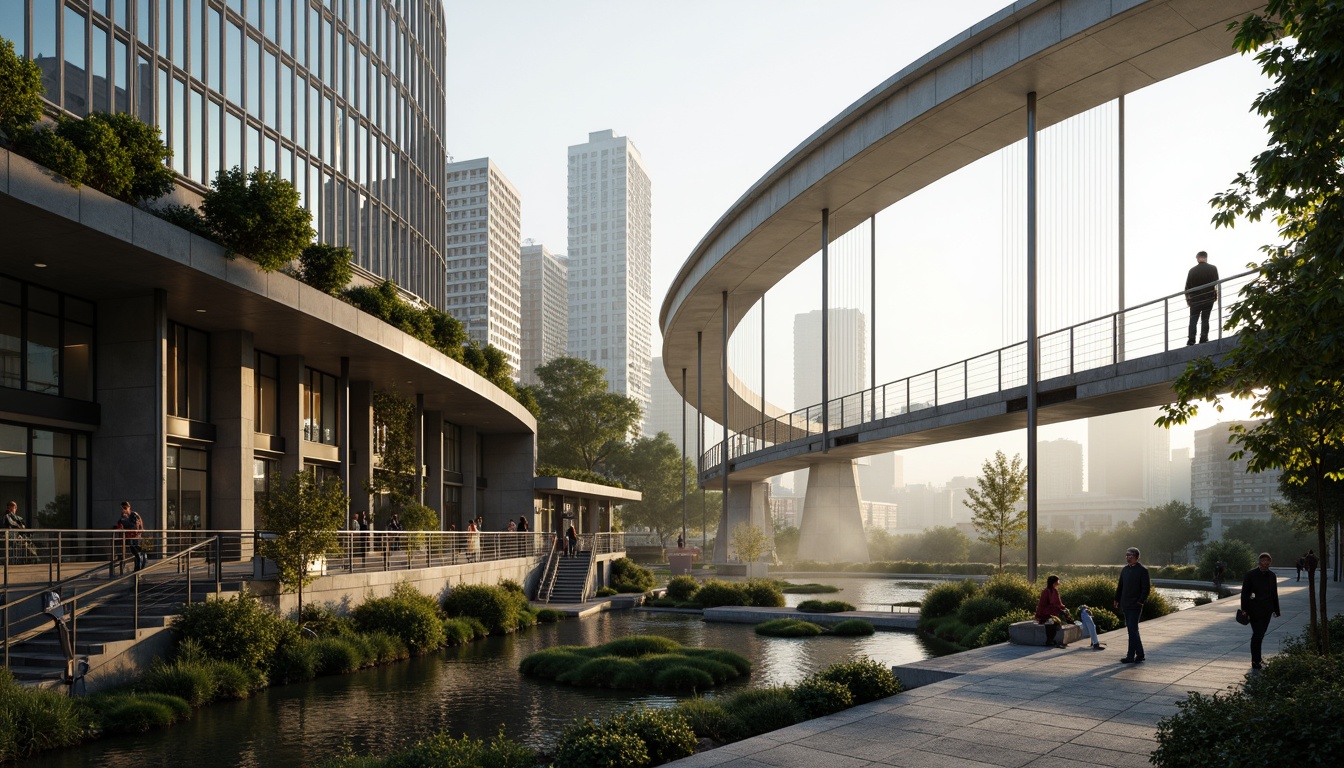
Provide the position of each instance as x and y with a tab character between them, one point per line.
1200	294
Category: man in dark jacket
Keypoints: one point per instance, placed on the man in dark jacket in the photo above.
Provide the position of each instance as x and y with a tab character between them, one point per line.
1200	294
1260	599
1130	593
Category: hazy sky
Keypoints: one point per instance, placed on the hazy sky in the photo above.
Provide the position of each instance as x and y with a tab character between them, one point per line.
714	93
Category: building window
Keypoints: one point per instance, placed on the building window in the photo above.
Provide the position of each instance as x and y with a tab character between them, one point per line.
265	472
266	391
188	489
46	341
319	408
452	447
46	473
188	372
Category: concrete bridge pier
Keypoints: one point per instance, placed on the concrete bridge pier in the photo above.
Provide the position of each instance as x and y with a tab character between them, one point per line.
832	527
747	503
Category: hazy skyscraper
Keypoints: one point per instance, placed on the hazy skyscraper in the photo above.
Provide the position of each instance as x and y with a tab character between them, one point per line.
847	352
484	235
664	411
1061	468
545	316
1223	488
1128	456
611	262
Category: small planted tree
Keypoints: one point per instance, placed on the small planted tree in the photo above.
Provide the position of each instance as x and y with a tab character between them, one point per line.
303	517
748	543
257	215
20	92
994	503
326	267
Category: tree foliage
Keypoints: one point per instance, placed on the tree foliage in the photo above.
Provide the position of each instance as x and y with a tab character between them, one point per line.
304	516
1277	536
20	91
1167	530
1290	349
326	267
581	423
257	214
748	543
397	476
142	146
993	503
654	465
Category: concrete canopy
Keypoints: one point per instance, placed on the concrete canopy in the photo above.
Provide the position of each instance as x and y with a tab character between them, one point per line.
960	102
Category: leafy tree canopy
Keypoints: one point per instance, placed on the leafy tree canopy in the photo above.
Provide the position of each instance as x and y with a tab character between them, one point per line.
654	466
20	91
304	516
1164	532
993	503
581	423
257	215
326	267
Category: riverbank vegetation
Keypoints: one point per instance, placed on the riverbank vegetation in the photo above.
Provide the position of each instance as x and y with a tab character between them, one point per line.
637	662
800	628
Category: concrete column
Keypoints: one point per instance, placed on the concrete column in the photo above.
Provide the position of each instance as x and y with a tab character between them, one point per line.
128	448
832	526
291	385
747	503
433	442
361	445
510	463
232	405
470	471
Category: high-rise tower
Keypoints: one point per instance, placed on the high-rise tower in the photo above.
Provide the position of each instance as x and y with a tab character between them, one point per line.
545	281
484	237
610	262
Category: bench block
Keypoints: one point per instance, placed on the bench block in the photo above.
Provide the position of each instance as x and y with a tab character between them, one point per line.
1031	633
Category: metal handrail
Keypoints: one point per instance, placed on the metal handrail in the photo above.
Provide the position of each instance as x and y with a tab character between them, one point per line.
1082	346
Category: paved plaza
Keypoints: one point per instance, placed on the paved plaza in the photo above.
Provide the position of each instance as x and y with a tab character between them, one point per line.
1015	706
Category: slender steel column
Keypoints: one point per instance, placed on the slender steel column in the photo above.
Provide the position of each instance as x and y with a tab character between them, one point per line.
725	404
700	433
1032	350
683	455
872	309
762	367
1120	230
825	330
343	427
419	448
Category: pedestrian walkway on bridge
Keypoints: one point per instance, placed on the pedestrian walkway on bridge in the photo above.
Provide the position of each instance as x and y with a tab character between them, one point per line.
1008	705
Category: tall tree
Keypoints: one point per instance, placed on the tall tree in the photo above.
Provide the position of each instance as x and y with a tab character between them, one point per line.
396	478
302	516
653	466
1290	351
993	504
581	423
1169	529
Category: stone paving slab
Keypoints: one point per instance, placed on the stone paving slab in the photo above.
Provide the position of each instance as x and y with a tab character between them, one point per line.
1024	707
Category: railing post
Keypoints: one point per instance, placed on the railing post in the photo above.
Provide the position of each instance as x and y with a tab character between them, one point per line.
1220	311
999	365
935	387
189	578
135	607
1071	327
219	564
966	379
1115	337
59	556
1166	325
907	394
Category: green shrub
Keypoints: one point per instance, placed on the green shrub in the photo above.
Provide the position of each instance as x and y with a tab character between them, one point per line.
666	734
235	681
1203	600
107	165
20	94
788	628
629	576
550	616
33	720
763	593
761	710
293	663
605	592
552	662
457	632
138	714
982	609
682	678
607	672
710	720
1237	555
324	621
336	656
806	589
186	217
641	645
240	629
1012	589
257	214
944	599
996	631
682	588
824	606
48	148
326	267
1094	591
384	647
949	628
734	660
819	698
664	602
714	593
971	637
192	681
586	744
1105	620
149	157
443	751
407	614
853	628
1156	606
866	679
497	608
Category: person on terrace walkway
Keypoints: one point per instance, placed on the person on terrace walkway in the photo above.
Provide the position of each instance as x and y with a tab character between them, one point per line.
1050	611
1130	593
1260	599
1200	294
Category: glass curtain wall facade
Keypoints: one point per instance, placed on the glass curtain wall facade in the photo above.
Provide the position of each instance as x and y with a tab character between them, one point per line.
343	98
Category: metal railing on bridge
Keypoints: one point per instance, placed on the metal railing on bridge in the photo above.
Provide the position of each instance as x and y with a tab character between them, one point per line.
1150	328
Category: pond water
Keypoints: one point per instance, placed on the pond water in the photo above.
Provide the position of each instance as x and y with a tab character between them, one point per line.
475	689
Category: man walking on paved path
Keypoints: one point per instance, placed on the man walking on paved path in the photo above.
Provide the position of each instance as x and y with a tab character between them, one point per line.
1130	593
1200	294
1260	598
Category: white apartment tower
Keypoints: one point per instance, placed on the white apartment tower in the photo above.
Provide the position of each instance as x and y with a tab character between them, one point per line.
848	353
545	318
484	237
611	262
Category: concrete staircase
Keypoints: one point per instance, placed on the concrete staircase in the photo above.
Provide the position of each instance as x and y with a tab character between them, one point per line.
105	632
572	579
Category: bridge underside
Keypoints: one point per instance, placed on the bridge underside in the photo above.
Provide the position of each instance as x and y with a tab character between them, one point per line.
1140	383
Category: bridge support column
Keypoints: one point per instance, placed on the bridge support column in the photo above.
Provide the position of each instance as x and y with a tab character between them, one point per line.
747	503
832	525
